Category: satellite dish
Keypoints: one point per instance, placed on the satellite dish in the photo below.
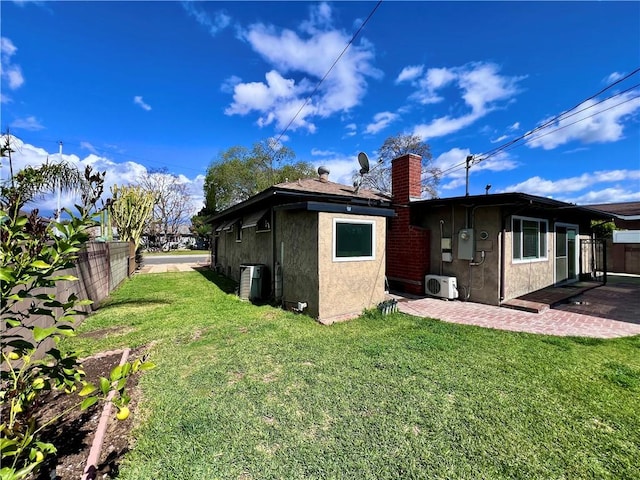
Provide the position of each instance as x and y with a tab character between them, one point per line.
364	163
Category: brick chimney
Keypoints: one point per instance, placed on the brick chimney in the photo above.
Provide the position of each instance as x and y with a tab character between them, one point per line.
408	246
406	178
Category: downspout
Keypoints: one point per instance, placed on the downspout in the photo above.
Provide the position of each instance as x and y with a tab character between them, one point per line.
503	261
441	237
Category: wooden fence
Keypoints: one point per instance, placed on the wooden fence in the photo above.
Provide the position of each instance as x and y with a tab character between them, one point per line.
100	269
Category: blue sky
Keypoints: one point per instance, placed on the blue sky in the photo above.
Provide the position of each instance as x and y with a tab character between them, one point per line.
134	86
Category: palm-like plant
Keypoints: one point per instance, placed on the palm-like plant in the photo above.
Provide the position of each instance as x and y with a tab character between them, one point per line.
31	183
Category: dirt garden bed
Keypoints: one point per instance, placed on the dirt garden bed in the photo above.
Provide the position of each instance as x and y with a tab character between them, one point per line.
73	435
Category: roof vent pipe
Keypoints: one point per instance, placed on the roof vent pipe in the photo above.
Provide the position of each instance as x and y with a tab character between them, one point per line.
323	173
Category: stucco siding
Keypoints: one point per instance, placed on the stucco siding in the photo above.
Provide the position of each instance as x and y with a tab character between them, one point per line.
255	247
348	287
479	282
297	253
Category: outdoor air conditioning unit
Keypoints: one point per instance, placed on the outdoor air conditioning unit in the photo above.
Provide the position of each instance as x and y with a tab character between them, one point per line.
440	286
253	282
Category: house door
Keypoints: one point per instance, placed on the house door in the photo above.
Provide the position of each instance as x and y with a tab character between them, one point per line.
566	253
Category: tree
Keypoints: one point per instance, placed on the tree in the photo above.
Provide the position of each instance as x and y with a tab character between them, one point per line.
31	183
201	228
172	204
130	208
33	256
239	173
396	146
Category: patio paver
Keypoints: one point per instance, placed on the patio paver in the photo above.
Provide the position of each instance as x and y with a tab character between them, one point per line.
609	311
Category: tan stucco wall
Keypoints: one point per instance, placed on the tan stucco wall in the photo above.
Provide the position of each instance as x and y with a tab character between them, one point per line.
347	288
482	281
297	252
527	276
255	247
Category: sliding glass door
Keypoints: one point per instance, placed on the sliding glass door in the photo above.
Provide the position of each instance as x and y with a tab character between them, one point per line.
566	253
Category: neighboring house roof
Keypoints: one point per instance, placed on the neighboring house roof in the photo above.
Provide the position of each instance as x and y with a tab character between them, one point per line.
309	194
623	210
513	198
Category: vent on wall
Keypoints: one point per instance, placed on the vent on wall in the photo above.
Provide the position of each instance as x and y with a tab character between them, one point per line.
440	286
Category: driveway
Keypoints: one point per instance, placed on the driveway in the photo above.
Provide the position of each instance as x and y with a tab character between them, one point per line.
609	311
173	263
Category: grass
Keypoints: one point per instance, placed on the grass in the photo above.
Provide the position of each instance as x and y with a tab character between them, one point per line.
250	392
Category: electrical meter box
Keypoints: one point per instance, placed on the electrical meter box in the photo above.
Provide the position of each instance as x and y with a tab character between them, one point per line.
465	244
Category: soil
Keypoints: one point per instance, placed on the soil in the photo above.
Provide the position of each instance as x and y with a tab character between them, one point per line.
73	435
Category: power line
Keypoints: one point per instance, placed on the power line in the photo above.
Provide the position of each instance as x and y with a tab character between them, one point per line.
562	116
112	154
308	99
462	165
558	118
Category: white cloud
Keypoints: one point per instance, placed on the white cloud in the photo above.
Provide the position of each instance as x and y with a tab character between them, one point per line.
481	88
560	188
443	126
140	102
410	73
381	121
121	173
306	56
10	73
613	77
219	21
352	129
590	122
514	127
607	195
452	164
88	146
322	153
342	167
28	123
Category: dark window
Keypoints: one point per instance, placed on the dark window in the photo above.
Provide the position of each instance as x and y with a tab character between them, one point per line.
354	240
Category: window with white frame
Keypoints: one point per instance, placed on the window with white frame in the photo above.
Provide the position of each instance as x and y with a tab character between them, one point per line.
353	240
529	238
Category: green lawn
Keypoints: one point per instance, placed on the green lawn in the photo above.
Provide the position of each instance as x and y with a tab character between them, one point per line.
246	392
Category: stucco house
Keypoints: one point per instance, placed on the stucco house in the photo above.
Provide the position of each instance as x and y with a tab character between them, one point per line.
484	248
311	245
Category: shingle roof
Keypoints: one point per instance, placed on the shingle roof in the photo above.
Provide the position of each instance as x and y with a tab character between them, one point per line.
622	208
314	185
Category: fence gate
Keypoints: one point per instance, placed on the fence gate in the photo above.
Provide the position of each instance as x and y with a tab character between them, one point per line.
593	260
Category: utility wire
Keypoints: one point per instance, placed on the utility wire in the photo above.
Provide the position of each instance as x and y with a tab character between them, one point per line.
462	165
562	116
558	118
111	154
308	99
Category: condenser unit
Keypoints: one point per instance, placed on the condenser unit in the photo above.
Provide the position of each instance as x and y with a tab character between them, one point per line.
440	286
253	282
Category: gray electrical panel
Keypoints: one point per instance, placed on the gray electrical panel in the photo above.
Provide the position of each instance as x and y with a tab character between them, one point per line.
466	244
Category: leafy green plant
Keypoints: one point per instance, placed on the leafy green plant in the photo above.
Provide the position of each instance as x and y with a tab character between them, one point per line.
34	255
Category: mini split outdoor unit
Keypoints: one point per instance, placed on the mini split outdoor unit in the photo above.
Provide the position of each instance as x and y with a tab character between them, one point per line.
440	286
253	281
